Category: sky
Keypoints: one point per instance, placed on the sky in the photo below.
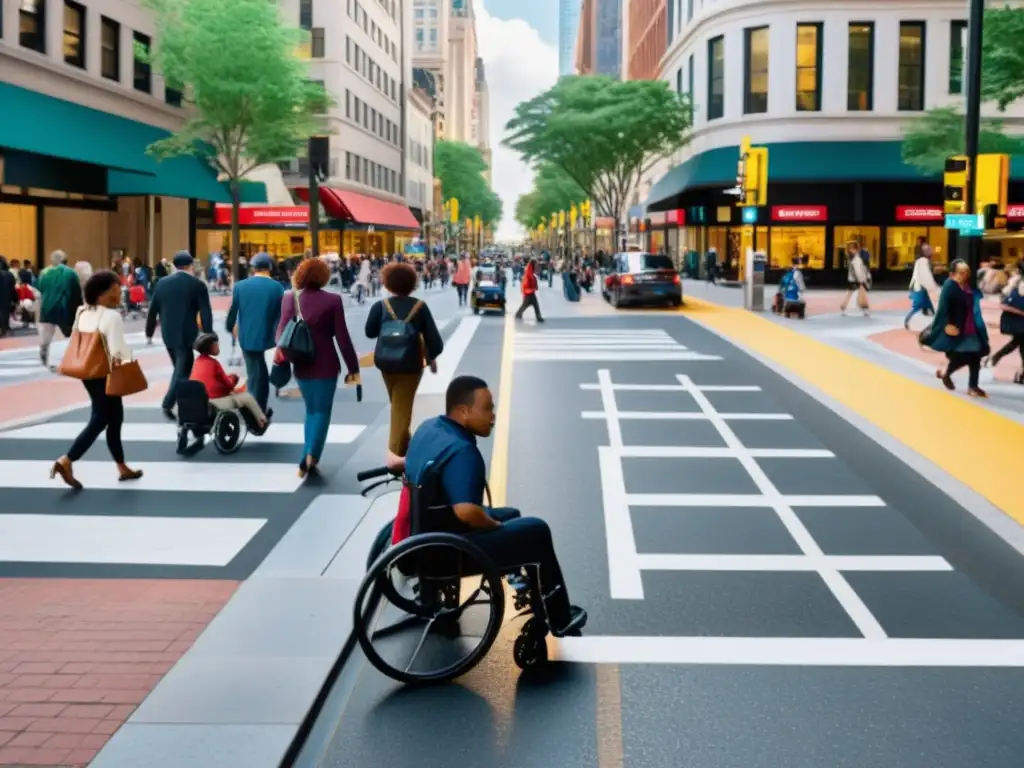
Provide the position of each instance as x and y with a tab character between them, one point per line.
517	40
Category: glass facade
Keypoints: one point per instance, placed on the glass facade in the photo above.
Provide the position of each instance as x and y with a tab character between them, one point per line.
568	29
609	38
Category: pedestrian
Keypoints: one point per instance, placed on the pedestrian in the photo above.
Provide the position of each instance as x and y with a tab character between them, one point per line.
100	316
256	307
7	296
178	300
858	277
922	285
61	289
711	265
324	316
463	274
407	340
530	292
1011	322
958	329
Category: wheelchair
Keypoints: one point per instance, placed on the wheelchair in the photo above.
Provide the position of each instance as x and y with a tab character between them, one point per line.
196	416
434	580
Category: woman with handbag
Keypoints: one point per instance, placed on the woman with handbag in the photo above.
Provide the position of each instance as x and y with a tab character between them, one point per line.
312	319
99	356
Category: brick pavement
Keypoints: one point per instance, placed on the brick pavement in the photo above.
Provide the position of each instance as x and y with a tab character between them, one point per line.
78	656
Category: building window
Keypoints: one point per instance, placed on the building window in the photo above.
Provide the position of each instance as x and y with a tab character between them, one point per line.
306	14
32	25
74	34
689	87
755	86
808	67
860	83
957	46
110	48
911	83
679	80
716	77
143	75
348	103
318	43
172	96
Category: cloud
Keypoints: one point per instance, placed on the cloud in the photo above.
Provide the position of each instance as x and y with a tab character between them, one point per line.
519	65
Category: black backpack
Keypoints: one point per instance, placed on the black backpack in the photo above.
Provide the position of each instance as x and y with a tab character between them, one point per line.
296	342
399	348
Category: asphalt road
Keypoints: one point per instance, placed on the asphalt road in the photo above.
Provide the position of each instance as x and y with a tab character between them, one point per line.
766	585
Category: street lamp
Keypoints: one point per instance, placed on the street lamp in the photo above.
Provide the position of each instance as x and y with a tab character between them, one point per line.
972	119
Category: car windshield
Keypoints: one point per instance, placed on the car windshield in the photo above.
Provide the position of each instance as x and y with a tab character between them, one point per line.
645	262
485	274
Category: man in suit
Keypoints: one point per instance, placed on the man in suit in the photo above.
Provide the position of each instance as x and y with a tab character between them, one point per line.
177	301
256	306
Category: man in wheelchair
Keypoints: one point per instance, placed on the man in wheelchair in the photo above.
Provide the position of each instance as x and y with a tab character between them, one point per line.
446	447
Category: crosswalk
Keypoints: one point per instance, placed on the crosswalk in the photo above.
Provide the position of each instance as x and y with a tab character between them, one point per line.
607	345
24	362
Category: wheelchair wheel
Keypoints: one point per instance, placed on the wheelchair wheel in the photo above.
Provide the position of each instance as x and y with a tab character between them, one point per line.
380	543
530	649
395	640
228	432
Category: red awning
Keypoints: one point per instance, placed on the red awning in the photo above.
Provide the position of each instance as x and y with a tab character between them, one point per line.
363	209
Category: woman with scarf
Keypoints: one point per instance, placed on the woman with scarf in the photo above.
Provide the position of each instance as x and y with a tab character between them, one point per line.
958	329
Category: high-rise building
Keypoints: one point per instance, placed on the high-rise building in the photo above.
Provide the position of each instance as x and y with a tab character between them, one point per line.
599	48
431	22
482	119
568	29
645	38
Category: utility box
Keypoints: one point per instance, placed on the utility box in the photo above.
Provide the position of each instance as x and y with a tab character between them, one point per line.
753	283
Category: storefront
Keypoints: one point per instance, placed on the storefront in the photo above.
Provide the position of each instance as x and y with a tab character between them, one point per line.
367	225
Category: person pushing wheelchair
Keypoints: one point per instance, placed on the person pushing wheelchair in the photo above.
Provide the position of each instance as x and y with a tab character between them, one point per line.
448	445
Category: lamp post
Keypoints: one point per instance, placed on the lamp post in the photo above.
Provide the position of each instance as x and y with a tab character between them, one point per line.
972	119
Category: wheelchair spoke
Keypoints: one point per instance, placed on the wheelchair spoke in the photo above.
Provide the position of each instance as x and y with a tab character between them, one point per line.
402	624
419	645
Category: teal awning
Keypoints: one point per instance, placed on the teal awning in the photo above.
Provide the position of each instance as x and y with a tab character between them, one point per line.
795	162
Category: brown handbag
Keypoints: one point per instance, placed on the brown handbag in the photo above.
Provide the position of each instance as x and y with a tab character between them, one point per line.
86	355
126	379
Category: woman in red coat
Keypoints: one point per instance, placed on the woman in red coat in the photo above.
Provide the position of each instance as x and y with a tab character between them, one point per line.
530	292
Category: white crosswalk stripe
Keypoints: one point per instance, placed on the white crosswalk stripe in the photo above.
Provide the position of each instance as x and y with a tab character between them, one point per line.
166	432
581	345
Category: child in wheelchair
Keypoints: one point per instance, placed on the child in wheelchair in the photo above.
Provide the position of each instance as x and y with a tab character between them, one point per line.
220	387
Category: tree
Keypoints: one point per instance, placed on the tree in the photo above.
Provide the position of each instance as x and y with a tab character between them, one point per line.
461	168
1002	54
939	134
249	96
553	190
604	134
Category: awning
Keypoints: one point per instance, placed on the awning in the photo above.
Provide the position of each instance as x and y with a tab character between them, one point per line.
43	125
363	209
792	162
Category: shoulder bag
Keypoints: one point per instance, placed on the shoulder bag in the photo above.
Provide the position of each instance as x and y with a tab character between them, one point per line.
86	354
296	342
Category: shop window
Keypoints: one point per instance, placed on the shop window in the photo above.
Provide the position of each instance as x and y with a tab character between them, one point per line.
716	77
861	67
902	245
18	231
755	81
808	67
911	73
32	25
867	238
790	243
110	49
74	34
957	47
143	76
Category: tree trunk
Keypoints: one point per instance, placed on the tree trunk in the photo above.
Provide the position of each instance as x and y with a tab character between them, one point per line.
236	229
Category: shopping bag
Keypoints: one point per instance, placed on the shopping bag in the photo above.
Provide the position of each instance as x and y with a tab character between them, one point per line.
126	379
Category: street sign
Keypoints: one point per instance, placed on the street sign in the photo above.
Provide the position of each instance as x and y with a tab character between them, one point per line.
965	221
750	215
972	232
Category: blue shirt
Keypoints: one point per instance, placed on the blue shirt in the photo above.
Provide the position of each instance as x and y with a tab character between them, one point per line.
464	474
256	305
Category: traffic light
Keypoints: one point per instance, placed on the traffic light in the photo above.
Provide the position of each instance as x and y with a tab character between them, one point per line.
755	185
954	184
990	187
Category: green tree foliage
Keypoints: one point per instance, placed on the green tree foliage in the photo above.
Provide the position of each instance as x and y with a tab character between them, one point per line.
939	134
250	98
1003	56
553	190
603	133
461	168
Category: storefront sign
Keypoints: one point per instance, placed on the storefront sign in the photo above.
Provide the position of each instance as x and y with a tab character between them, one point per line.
919	213
656	219
263	215
799	213
677	217
1015	212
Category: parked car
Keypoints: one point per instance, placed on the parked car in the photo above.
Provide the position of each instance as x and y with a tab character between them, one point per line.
642	278
488	291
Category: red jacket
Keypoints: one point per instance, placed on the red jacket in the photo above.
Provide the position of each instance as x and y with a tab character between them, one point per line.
529	281
210	372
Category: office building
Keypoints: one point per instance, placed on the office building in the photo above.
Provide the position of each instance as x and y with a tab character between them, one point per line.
568	29
645	38
599	46
420	153
482	117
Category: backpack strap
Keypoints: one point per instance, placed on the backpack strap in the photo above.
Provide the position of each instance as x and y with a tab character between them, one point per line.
414	310
390	311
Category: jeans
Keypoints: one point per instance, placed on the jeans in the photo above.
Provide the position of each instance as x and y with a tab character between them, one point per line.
181	359
958	360
463	291
529	300
1015	343
527	541
318	395
257	379
107	414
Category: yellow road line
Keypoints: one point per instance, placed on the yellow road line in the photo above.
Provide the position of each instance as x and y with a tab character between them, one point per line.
972	444
498	480
609	716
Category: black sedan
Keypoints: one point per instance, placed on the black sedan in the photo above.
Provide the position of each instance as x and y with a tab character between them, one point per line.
643	278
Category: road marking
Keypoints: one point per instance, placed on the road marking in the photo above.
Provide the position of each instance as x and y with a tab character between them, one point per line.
124	540
673	388
448	362
625	580
788	563
167	431
611	357
689	452
583	345
609	717
686	416
748	500
498	475
192	476
792	652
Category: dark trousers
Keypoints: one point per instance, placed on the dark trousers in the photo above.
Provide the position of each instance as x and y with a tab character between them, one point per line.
1015	343
181	359
107	414
529	300
257	377
972	361
527	541
463	291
